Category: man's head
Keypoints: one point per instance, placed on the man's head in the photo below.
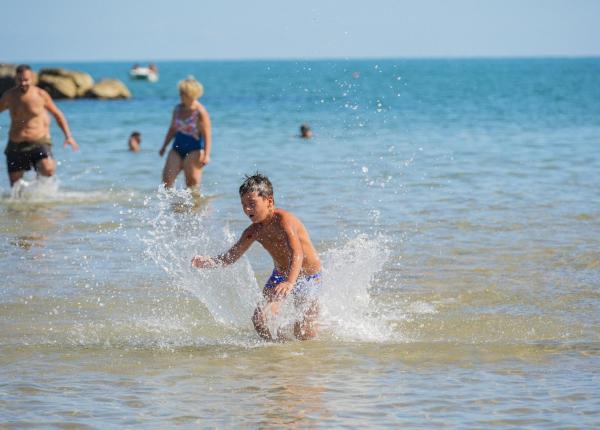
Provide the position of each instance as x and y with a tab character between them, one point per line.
24	77
256	194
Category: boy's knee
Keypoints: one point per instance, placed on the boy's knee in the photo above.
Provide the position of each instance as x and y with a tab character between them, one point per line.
304	331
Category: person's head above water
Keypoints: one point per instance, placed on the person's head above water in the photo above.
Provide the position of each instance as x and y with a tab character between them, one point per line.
135	139
305	131
190	89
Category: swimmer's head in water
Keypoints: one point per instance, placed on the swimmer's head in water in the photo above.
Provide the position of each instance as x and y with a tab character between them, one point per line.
257	183
190	88
305	131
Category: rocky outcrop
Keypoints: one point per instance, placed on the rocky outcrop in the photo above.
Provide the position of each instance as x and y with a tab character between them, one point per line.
67	84
62	83
7	77
109	89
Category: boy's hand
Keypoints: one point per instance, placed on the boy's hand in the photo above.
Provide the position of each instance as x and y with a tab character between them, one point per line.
203	262
282	289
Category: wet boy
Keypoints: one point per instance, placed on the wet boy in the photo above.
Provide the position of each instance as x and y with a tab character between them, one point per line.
297	266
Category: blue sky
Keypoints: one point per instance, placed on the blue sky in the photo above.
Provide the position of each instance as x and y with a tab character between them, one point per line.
154	30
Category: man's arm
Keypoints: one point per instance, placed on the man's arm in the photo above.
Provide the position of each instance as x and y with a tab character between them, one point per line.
60	119
229	257
4	101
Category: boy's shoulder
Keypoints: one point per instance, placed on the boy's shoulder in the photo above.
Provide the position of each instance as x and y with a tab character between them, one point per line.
282	213
287	217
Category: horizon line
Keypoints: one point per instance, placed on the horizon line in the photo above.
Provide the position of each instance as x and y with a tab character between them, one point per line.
332	58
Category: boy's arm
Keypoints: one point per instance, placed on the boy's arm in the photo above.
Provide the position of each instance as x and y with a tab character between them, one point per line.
229	257
60	119
296	259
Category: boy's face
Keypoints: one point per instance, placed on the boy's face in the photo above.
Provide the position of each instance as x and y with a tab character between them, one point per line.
257	208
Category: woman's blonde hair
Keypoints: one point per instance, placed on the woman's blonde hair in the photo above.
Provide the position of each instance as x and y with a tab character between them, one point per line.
191	87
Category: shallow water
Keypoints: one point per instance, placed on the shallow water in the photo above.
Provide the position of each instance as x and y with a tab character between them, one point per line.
455	206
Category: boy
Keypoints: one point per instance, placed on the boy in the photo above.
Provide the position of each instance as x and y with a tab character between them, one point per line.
297	266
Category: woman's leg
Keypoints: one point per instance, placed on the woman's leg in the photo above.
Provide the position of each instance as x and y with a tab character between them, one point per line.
193	169
173	166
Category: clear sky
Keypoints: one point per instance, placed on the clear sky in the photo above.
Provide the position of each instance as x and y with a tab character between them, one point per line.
154	30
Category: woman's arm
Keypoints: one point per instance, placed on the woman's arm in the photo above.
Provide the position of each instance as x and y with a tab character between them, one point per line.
205	128
170	133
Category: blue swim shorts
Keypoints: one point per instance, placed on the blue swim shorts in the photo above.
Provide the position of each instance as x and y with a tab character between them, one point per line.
307	285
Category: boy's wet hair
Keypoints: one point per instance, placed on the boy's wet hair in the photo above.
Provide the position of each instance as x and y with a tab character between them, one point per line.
257	183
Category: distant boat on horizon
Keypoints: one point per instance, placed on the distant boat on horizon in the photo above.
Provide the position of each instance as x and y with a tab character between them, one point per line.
149	73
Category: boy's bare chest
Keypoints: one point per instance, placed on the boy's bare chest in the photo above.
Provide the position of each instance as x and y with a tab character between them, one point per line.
273	239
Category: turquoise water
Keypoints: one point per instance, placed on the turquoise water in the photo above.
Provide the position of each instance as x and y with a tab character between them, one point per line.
455	204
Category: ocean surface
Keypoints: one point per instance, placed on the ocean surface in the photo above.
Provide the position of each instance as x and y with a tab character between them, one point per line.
455	205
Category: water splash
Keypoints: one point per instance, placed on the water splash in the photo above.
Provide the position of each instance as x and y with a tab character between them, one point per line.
48	190
182	228
348	310
39	189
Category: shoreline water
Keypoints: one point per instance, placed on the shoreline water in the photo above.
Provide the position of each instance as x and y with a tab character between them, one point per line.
454	209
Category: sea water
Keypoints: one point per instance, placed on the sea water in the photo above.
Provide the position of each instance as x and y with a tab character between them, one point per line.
455	206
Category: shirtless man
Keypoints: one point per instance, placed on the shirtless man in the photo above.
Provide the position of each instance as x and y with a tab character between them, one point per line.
297	267
29	142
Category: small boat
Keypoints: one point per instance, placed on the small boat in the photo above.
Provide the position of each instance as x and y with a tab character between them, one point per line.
144	74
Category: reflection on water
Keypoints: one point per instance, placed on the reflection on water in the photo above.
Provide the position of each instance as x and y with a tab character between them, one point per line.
28	242
31	224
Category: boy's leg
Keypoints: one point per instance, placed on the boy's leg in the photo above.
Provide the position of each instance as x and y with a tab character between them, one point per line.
261	316
260	324
307	328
